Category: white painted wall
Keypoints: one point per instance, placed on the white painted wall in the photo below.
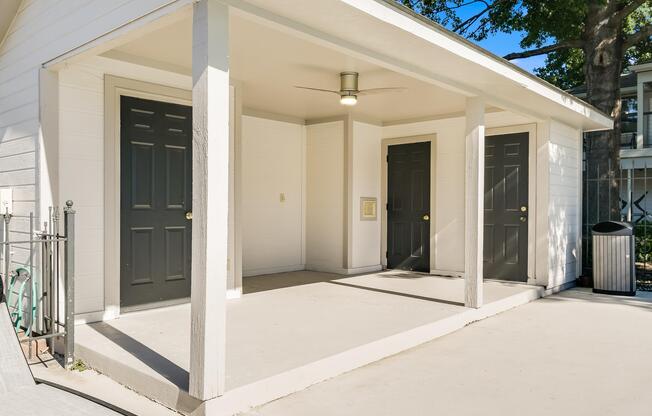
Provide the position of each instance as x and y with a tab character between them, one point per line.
564	211
366	183
272	164
325	196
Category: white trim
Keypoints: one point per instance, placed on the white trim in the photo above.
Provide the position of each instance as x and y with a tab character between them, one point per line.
447	273
114	88
385	143
267	115
343	271
531	130
273	270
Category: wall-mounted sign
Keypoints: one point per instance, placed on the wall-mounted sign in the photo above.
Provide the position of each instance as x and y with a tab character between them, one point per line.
368	209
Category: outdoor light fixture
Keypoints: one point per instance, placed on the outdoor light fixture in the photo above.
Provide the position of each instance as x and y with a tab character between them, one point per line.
349	100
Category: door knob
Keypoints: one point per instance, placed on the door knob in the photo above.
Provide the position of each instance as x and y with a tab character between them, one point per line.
523	208
426	217
188	215
523	218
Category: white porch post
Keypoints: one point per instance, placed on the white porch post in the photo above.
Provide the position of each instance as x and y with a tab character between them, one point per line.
474	214
210	190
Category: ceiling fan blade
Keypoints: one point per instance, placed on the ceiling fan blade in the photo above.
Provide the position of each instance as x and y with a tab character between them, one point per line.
317	89
373	91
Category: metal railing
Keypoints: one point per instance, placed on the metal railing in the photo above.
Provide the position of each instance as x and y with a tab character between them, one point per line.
635	199
51	280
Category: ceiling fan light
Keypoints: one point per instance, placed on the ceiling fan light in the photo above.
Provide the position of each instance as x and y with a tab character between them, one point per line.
349	100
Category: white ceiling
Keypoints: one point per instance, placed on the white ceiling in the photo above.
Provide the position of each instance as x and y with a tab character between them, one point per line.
269	63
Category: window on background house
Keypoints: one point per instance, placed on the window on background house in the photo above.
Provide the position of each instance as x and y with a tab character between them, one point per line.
646	113
628	122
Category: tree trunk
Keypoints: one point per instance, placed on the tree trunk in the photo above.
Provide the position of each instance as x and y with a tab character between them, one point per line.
603	53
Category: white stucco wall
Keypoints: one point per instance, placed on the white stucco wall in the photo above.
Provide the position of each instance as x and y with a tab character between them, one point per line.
272	165
366	183
325	196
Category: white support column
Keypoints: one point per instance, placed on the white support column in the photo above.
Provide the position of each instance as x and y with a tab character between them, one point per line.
474	214
210	187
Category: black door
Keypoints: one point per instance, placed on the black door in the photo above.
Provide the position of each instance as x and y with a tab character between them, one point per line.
156	185
408	207
506	207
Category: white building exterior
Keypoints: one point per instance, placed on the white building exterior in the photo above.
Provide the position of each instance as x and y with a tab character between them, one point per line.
283	172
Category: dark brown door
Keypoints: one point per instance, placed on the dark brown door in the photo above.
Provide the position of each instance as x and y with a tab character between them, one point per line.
506	207
408	207
156	186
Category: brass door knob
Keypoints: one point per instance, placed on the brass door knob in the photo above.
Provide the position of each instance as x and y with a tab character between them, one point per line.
523	218
188	215
426	217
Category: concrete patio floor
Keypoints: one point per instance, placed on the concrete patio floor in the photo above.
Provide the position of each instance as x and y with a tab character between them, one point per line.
575	353
303	326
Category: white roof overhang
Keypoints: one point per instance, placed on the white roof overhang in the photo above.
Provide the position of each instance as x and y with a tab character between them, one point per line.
389	35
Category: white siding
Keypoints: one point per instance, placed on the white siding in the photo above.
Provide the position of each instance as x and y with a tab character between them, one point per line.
41	31
564	212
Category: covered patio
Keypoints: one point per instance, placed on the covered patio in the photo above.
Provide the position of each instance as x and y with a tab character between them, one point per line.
288	331
258	268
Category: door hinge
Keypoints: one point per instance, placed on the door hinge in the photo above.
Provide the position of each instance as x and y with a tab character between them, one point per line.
387	158
387	206
387	254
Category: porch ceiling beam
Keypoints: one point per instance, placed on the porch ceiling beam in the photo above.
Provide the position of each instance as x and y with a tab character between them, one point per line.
474	213
210	198
294	28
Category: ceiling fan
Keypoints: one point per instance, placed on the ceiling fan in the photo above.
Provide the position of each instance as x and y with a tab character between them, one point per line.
349	91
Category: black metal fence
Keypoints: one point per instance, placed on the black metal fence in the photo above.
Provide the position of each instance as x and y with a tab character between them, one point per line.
635	199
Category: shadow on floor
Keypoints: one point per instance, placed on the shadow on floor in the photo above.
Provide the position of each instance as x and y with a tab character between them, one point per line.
266	282
146	355
284	280
391	292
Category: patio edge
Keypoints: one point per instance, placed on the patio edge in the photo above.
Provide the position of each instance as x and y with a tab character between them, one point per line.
264	391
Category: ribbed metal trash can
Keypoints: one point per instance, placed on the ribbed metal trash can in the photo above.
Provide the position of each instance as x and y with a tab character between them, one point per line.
614	270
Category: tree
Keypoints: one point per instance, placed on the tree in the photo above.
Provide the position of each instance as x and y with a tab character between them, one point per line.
586	42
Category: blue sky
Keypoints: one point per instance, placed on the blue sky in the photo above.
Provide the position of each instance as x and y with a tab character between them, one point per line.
503	43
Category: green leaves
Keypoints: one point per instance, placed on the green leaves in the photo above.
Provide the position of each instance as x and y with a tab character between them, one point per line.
545	23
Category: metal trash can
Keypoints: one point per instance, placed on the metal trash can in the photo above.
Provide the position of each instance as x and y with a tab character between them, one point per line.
614	270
